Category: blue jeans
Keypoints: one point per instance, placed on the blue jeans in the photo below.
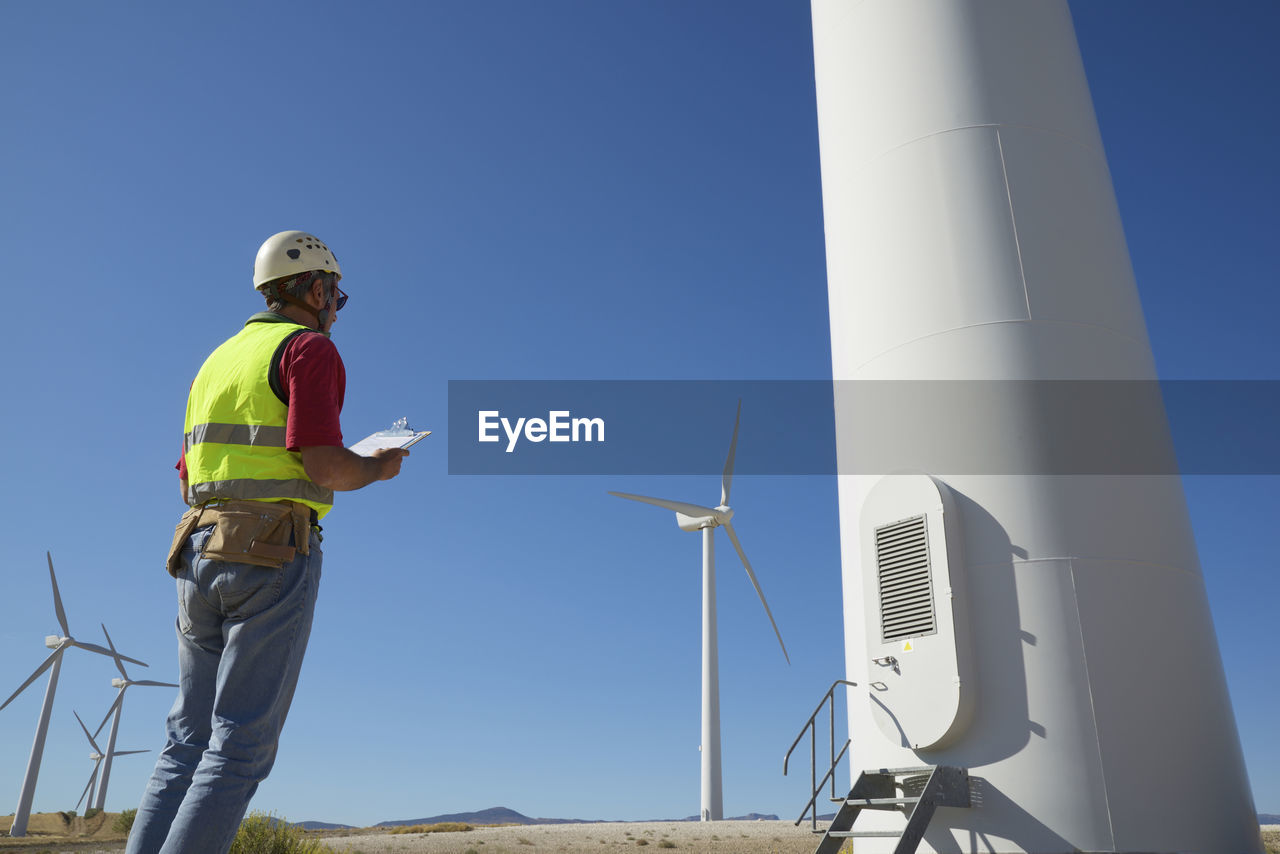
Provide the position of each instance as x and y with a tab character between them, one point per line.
242	632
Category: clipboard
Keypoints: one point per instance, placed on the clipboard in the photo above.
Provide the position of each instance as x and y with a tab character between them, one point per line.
400	435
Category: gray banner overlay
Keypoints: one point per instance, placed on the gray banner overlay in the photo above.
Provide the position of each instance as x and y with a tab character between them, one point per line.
816	427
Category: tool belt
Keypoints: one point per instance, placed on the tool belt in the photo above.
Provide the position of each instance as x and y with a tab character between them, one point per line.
253	532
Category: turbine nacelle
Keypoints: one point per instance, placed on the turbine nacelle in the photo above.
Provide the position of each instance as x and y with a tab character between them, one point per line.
53	641
117	682
715	517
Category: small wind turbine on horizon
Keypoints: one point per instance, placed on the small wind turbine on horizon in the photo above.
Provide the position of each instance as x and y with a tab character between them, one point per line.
59	645
694	517
97	756
116	708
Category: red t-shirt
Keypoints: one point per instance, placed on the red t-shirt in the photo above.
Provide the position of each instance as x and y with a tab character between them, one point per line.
316	379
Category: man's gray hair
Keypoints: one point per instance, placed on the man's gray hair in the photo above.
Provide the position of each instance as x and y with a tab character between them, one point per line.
295	286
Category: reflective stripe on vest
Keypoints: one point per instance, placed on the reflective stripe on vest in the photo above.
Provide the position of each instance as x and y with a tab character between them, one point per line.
234	438
236	434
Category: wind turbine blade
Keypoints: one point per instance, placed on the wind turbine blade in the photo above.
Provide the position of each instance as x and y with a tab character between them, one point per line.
93	647
57	599
677	506
96	749
111	711
157	684
727	480
128	752
114	653
88	785
48	662
733	538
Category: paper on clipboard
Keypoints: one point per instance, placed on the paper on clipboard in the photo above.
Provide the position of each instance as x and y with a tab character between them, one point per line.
401	435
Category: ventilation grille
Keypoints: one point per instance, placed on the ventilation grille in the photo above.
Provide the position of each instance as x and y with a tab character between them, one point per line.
906	582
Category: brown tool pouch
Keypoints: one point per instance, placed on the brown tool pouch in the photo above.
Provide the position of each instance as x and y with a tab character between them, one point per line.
188	523
253	532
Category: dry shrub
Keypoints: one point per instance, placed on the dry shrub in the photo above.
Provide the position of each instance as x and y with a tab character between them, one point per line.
441	827
265	834
124	821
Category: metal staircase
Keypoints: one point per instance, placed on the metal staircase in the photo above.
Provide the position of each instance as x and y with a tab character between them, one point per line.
890	789
917	792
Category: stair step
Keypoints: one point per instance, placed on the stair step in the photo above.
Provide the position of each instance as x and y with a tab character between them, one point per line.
880	802
863	834
898	772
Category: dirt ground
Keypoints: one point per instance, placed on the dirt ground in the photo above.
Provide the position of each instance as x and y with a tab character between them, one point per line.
51	832
680	837
771	837
54	831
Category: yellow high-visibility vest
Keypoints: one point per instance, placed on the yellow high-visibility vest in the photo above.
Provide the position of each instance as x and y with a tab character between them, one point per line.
234	438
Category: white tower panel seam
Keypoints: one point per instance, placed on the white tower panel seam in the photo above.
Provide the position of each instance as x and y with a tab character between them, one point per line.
1093	709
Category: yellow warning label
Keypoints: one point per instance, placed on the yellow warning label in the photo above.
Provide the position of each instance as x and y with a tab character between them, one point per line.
907	647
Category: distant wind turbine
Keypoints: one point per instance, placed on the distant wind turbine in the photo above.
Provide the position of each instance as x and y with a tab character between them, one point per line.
694	517
59	645
97	756
115	710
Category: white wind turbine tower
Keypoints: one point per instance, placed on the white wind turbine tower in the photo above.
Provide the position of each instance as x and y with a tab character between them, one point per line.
115	710
59	645
693	517
97	756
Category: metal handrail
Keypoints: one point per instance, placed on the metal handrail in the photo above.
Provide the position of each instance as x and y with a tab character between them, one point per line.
811	727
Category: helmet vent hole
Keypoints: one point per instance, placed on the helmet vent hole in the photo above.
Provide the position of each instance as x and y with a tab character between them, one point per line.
293	253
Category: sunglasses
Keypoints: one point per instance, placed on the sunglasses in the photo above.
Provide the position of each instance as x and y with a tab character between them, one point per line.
340	297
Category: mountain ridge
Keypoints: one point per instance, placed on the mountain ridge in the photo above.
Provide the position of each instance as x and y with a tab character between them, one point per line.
506	815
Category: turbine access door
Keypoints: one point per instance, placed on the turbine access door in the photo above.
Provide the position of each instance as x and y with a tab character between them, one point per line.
921	686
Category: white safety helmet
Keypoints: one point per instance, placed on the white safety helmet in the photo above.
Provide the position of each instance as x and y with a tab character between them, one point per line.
290	253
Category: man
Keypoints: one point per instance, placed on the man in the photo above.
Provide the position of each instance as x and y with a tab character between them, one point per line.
262	456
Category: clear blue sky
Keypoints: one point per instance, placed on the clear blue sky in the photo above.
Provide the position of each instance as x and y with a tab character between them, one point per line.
551	190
